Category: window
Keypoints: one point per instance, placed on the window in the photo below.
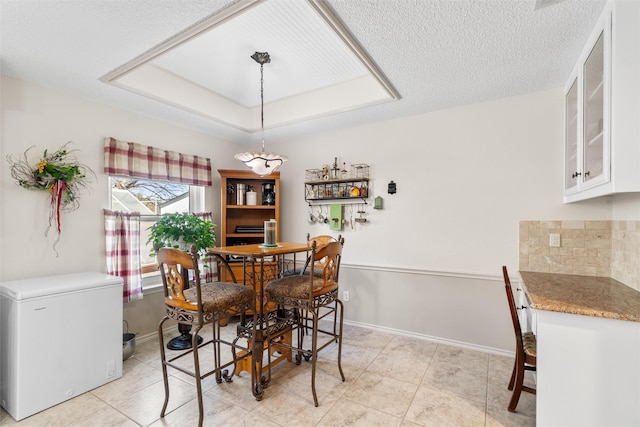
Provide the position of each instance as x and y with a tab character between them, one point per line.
152	199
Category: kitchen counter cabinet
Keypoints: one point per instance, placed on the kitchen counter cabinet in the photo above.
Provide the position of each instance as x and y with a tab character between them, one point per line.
588	363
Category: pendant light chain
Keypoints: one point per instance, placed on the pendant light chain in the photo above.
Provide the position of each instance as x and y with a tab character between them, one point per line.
263	163
262	103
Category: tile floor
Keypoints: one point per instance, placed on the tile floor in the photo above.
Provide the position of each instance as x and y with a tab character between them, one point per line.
391	380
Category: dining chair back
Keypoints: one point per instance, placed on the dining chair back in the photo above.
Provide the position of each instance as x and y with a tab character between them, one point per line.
321	240
525	354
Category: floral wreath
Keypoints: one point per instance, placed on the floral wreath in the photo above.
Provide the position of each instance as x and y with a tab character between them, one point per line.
60	174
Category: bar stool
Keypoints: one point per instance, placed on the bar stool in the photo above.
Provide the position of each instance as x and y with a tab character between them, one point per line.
311	293
198	305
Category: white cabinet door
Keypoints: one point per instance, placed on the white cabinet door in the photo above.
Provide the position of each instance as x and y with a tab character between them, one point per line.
571	138
587	113
594	113
602	108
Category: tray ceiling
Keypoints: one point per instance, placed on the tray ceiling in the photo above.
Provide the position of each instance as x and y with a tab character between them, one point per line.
316	67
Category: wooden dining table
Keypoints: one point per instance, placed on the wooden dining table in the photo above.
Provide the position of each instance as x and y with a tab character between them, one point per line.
254	258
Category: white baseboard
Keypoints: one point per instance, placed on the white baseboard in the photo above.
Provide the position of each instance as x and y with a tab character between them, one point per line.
484	349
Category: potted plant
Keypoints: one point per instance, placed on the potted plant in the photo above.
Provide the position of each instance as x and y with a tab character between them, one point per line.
181	230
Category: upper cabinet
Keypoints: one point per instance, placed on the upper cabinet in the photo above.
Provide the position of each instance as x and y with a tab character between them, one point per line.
602	109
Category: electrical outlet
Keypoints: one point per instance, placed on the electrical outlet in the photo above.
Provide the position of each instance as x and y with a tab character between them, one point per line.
554	240
345	295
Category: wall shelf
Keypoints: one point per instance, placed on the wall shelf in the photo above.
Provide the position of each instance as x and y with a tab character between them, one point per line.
321	188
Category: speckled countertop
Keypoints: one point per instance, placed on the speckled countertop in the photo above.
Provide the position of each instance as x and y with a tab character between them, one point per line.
585	295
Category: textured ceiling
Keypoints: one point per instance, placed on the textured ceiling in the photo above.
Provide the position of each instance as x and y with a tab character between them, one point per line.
436	53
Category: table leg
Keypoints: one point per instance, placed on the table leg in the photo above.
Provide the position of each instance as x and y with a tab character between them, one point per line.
285	354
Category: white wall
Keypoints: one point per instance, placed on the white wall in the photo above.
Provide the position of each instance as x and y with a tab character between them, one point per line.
46	118
32	115
428	264
465	177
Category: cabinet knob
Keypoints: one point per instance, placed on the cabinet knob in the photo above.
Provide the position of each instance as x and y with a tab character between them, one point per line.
587	173
577	174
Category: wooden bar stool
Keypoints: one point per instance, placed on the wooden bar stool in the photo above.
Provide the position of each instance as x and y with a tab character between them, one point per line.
197	305
311	293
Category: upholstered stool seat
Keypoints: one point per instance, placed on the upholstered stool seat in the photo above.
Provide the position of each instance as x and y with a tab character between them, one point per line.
219	296
529	343
298	286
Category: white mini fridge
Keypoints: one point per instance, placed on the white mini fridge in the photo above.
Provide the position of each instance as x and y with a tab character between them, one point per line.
60	336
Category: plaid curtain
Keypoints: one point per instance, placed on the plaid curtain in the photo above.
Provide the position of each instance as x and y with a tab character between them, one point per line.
122	236
210	272
142	161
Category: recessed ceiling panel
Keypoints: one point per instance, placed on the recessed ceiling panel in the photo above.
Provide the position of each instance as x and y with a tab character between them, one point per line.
316	67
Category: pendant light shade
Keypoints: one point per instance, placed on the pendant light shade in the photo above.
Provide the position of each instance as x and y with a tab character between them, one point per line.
261	163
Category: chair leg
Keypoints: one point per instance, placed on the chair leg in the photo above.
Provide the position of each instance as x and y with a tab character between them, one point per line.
163	360
264	381
338	302
314	353
335	318
513	374
301	327
217	360
517	389
196	362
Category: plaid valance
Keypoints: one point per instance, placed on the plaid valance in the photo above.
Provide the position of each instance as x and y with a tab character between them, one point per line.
142	161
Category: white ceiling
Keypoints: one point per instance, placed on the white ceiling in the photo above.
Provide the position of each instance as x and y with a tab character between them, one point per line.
317	69
435	53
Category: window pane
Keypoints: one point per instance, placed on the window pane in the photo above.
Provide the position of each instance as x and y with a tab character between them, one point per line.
148	197
145	250
151	199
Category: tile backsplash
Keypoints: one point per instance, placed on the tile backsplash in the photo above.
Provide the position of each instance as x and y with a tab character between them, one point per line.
590	248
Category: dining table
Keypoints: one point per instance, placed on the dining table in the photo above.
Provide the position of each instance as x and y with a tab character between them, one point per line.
262	263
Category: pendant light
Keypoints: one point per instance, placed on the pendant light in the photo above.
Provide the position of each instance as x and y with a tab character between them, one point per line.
261	163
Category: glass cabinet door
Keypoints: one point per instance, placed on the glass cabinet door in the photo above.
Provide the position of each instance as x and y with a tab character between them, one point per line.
571	137
593	96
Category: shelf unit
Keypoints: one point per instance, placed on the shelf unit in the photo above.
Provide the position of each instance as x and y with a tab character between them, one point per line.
322	188
234	215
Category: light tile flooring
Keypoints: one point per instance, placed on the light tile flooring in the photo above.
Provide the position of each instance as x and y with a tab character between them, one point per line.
391	380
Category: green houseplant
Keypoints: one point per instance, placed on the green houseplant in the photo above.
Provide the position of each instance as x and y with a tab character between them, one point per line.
181	230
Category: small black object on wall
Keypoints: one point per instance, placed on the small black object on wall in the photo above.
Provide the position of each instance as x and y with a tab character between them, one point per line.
391	189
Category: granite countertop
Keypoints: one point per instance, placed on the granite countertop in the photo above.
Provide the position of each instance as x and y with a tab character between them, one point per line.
585	295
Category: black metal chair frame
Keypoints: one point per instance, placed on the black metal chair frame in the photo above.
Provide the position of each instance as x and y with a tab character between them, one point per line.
320	241
290	310
198	318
